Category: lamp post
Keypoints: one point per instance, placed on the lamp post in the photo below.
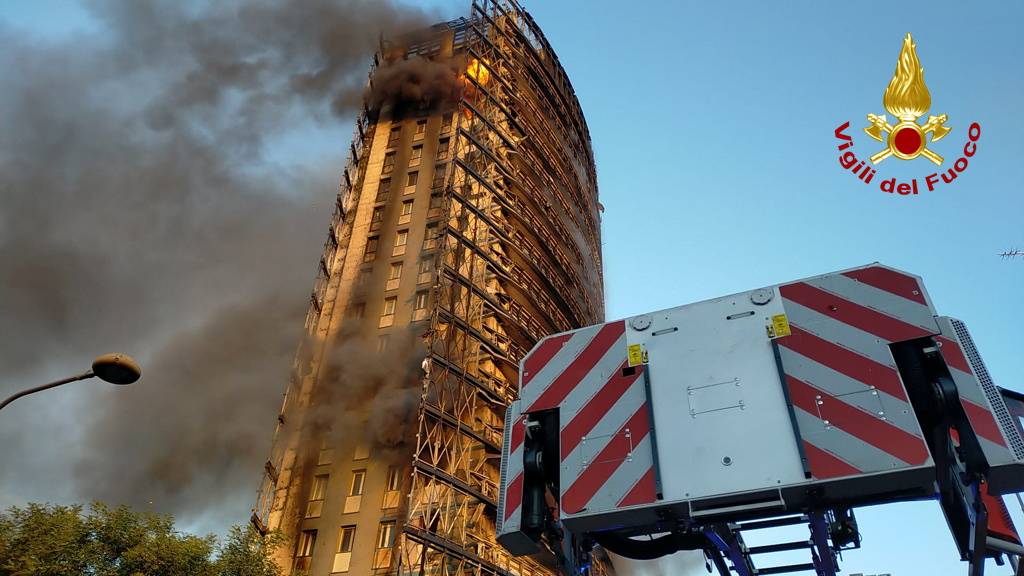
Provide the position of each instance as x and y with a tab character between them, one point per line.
113	368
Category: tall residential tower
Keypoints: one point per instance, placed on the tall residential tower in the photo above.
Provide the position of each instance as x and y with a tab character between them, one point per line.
467	227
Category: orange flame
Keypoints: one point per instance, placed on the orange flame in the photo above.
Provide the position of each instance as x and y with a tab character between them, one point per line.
907	97
478	71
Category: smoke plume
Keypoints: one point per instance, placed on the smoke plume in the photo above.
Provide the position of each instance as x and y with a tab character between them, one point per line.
418	83
145	208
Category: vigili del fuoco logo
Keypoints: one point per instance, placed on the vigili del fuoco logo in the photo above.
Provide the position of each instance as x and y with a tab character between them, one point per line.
907	99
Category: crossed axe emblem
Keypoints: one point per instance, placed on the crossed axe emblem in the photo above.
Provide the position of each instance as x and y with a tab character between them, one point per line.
906	139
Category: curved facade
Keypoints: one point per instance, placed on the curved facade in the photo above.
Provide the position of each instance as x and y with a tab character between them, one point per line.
466	230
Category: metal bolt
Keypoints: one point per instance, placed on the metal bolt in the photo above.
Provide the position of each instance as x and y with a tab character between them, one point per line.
727	461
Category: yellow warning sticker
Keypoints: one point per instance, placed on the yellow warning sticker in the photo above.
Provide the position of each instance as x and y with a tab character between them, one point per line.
636	354
779	327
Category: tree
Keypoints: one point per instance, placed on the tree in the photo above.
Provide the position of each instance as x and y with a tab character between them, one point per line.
249	553
52	540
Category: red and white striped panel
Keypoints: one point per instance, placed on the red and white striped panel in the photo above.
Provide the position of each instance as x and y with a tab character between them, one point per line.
559	364
972	397
851	407
606	455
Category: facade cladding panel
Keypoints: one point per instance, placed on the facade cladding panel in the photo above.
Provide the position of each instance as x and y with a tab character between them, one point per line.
466	229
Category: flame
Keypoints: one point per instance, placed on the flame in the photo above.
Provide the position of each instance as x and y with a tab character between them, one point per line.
478	71
907	97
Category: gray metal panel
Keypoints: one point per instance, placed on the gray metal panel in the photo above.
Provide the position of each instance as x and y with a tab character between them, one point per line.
719	408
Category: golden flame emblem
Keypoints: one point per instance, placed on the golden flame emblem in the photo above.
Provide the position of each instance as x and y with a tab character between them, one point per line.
907	98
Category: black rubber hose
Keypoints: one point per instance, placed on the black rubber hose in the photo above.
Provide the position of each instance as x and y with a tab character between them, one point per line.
653	548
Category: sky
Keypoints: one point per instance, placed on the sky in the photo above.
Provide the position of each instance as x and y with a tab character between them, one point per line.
712	125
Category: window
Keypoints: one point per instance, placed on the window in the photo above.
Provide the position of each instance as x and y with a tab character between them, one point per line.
419	311
435	201
394	136
385	540
430	240
417	154
343	558
376	218
383	190
357	310
401	239
382	342
406	215
410	182
306	542
421	300
424	273
446	123
442	149
440	174
346	536
319	487
394	276
395	272
394	480
316	496
387	316
325	456
392	485
389	163
371	248
358	479
355	492
421	128
362	452
386	535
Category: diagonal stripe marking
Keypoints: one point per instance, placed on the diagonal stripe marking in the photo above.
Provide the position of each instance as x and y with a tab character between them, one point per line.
514	495
953	355
580	367
642	492
982	422
605	463
518	434
543	354
596	407
860	368
889	280
847	312
825	464
867	427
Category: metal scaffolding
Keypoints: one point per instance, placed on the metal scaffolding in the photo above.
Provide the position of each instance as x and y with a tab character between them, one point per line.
523	186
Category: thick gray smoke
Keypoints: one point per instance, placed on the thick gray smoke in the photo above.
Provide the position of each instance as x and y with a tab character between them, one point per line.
142	210
418	83
370	396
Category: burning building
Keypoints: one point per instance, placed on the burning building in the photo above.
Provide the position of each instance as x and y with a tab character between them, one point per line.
466	228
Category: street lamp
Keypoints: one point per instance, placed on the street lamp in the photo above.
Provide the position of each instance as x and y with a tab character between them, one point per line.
113	368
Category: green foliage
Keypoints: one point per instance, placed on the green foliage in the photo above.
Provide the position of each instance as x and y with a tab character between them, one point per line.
248	553
51	540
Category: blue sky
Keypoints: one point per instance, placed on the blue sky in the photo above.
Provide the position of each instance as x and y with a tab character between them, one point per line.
712	125
713	128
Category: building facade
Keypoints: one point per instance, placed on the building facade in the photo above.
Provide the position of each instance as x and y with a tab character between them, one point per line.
466	228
